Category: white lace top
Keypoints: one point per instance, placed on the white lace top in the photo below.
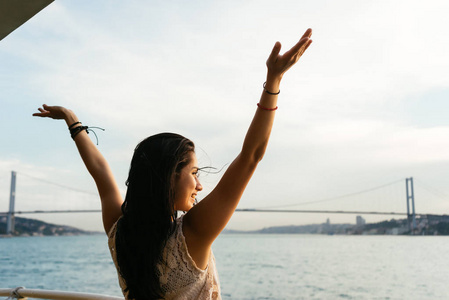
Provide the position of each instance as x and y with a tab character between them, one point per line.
179	276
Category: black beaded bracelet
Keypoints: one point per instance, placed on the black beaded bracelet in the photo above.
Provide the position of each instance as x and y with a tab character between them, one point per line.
74	131
76	123
268	92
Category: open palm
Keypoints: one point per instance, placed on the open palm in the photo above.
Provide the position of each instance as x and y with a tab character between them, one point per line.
279	64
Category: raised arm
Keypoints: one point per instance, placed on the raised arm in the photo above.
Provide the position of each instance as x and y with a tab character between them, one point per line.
96	164
204	222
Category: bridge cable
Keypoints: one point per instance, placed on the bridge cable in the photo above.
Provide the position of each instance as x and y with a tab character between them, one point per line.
333	198
432	190
59	185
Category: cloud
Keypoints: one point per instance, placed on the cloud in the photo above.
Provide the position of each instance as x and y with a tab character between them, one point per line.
353	113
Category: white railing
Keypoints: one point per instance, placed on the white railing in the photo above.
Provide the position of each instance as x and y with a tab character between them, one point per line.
21	293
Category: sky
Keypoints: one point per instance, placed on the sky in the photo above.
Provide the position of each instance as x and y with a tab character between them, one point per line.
366	106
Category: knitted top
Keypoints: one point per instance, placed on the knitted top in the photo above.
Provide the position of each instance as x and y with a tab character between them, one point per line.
179	276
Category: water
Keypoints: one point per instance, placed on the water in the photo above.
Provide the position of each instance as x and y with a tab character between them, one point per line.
69	263
252	266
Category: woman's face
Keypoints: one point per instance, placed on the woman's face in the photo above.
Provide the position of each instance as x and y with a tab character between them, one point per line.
187	185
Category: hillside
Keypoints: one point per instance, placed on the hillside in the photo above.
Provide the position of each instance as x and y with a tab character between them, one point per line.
32	227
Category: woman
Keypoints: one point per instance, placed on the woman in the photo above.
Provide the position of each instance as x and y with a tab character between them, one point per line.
156	254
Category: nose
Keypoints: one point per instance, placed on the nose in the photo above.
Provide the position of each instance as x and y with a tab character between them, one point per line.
198	187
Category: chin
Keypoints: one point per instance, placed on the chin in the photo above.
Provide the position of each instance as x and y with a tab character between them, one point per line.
187	208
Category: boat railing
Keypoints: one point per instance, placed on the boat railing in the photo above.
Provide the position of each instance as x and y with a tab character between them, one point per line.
23	293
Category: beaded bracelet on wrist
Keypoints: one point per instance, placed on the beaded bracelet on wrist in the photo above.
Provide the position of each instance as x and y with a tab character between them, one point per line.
266	108
268	92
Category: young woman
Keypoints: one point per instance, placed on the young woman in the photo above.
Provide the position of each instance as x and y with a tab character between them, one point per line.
156	254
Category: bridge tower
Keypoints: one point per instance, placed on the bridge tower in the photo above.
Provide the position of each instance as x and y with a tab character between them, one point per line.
410	196
12	198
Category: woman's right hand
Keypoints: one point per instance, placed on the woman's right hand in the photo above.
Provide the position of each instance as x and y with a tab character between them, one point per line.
96	164
54	112
57	113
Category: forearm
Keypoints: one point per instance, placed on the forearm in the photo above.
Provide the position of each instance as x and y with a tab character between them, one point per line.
258	134
94	161
96	164
256	139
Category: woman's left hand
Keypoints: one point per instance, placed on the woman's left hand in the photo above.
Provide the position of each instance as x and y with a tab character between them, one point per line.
279	64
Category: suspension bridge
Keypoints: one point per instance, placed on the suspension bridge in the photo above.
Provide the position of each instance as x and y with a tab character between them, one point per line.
410	212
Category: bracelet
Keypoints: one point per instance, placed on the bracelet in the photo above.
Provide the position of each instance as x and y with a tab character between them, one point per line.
74	131
268	92
70	127
266	108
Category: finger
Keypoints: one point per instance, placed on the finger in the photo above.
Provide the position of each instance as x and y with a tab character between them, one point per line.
303	41
303	49
307	45
275	52
42	114
308	33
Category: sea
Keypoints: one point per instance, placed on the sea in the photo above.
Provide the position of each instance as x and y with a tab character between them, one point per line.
252	266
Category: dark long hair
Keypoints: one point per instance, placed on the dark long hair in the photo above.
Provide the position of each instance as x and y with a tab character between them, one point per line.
148	211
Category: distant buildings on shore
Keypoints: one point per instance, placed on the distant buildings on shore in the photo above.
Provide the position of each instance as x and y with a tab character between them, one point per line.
360	221
426	225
